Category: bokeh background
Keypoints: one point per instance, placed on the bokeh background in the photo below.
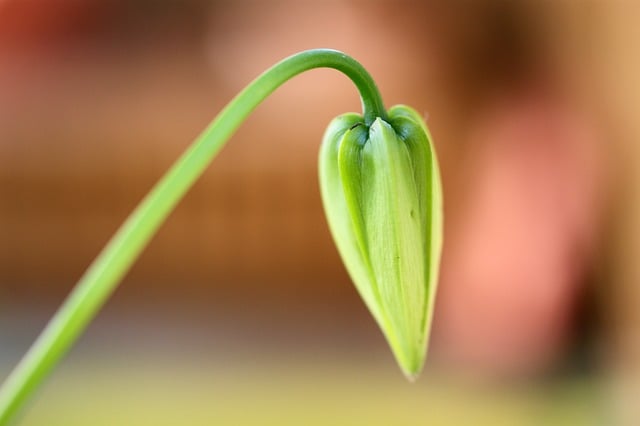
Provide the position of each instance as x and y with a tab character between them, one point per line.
240	312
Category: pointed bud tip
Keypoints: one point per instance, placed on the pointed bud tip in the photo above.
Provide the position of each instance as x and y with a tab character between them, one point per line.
412	372
412	376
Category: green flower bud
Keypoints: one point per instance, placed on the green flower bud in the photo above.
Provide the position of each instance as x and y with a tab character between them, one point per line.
381	192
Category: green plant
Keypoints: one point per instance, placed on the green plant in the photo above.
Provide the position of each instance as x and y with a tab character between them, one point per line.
381	191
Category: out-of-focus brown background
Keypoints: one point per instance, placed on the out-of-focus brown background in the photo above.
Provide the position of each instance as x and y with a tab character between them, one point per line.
240	311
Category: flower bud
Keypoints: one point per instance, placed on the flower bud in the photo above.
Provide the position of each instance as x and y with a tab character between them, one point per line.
381	192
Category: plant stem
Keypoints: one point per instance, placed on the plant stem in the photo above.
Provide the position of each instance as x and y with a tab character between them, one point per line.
108	269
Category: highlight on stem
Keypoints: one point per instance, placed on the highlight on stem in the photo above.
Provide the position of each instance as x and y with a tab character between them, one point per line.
380	188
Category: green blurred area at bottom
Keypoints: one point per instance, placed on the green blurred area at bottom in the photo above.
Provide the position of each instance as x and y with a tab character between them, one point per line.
189	391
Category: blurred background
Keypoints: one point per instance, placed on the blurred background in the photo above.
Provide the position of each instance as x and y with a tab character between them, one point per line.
240	311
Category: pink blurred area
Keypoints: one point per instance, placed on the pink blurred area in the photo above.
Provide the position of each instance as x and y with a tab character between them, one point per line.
533	109
520	252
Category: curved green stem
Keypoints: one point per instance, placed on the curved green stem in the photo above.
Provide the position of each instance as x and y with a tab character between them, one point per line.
117	257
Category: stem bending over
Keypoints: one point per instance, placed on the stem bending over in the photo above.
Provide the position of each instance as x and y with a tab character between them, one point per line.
107	270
